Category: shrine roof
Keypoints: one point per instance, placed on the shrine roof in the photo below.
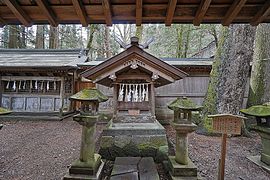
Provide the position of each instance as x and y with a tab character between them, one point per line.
170	61
134	55
41	58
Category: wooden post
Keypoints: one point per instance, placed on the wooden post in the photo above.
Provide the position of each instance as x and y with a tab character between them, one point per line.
1	90
152	99
115	99
223	157
62	89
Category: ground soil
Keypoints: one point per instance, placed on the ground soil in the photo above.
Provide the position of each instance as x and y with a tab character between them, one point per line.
45	149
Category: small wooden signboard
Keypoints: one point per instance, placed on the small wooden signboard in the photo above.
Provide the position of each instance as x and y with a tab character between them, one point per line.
225	124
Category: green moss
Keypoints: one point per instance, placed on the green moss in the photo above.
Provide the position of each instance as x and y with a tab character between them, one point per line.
144	146
4	111
257	86
259	111
208	125
92	94
210	101
184	104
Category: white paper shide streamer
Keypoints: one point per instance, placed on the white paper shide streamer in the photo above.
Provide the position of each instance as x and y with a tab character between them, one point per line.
133	92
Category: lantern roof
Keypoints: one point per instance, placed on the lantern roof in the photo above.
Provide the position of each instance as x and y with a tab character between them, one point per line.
258	110
4	111
91	94
184	104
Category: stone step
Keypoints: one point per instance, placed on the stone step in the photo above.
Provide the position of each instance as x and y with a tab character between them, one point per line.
134	168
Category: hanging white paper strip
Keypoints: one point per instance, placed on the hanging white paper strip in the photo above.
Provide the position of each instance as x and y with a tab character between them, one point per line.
36	84
14	85
48	85
7	87
20	84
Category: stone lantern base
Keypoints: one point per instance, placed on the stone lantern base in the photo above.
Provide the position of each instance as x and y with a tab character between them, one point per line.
84	171
180	171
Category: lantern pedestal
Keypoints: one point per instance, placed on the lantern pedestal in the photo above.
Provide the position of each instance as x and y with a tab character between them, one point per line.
89	165
180	165
262	115
263	160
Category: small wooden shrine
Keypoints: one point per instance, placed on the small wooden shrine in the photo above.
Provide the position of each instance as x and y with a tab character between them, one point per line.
134	74
38	81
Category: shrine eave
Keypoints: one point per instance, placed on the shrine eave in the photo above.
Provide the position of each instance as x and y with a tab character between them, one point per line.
110	12
134	56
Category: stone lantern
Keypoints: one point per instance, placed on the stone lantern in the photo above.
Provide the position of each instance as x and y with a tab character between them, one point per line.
262	115
89	165
180	165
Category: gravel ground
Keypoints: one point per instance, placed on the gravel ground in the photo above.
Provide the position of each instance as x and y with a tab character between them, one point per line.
45	149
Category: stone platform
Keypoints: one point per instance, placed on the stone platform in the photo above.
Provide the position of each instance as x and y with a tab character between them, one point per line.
134	168
134	139
85	176
257	160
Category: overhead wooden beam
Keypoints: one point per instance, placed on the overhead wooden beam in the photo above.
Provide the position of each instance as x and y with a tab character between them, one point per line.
170	12
18	12
79	8
201	11
261	14
107	12
233	11
45	8
139	12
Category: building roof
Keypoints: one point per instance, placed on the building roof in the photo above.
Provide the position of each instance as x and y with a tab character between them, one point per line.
53	12
132	58
170	61
41	58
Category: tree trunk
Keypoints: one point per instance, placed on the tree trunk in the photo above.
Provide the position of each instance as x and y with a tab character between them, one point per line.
39	37
53	38
13	36
230	70
259	91
107	42
139	32
186	47
235	68
92	29
179	40
22	39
